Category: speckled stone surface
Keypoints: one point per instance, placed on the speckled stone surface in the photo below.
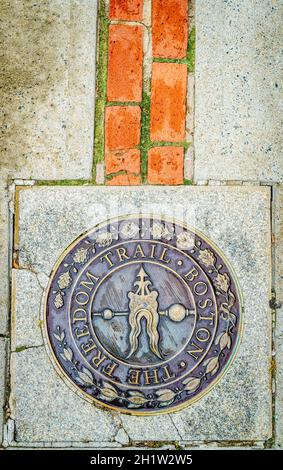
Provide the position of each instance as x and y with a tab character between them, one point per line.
4	251
238	90
47	88
26	310
237	220
46	409
3	345
278	261
238	409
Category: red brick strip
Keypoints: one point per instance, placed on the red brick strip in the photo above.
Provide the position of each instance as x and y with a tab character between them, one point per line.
123	149
125	63
125	161
168	102
128	10
166	165
126	179
122	135
122	127
169	28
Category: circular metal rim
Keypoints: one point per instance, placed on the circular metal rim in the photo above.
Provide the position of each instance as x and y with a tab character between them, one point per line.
103	406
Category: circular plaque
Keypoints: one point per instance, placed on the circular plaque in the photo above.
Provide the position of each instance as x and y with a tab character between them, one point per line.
142	315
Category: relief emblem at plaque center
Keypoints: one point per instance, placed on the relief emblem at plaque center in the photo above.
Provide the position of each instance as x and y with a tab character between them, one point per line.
142	315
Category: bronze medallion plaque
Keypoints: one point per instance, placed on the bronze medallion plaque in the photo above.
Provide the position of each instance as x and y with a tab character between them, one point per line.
142	315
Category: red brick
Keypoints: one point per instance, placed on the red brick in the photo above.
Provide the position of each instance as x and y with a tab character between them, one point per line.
125	63
166	165
131	10
124	180
169	28
122	160
122	127
168	102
